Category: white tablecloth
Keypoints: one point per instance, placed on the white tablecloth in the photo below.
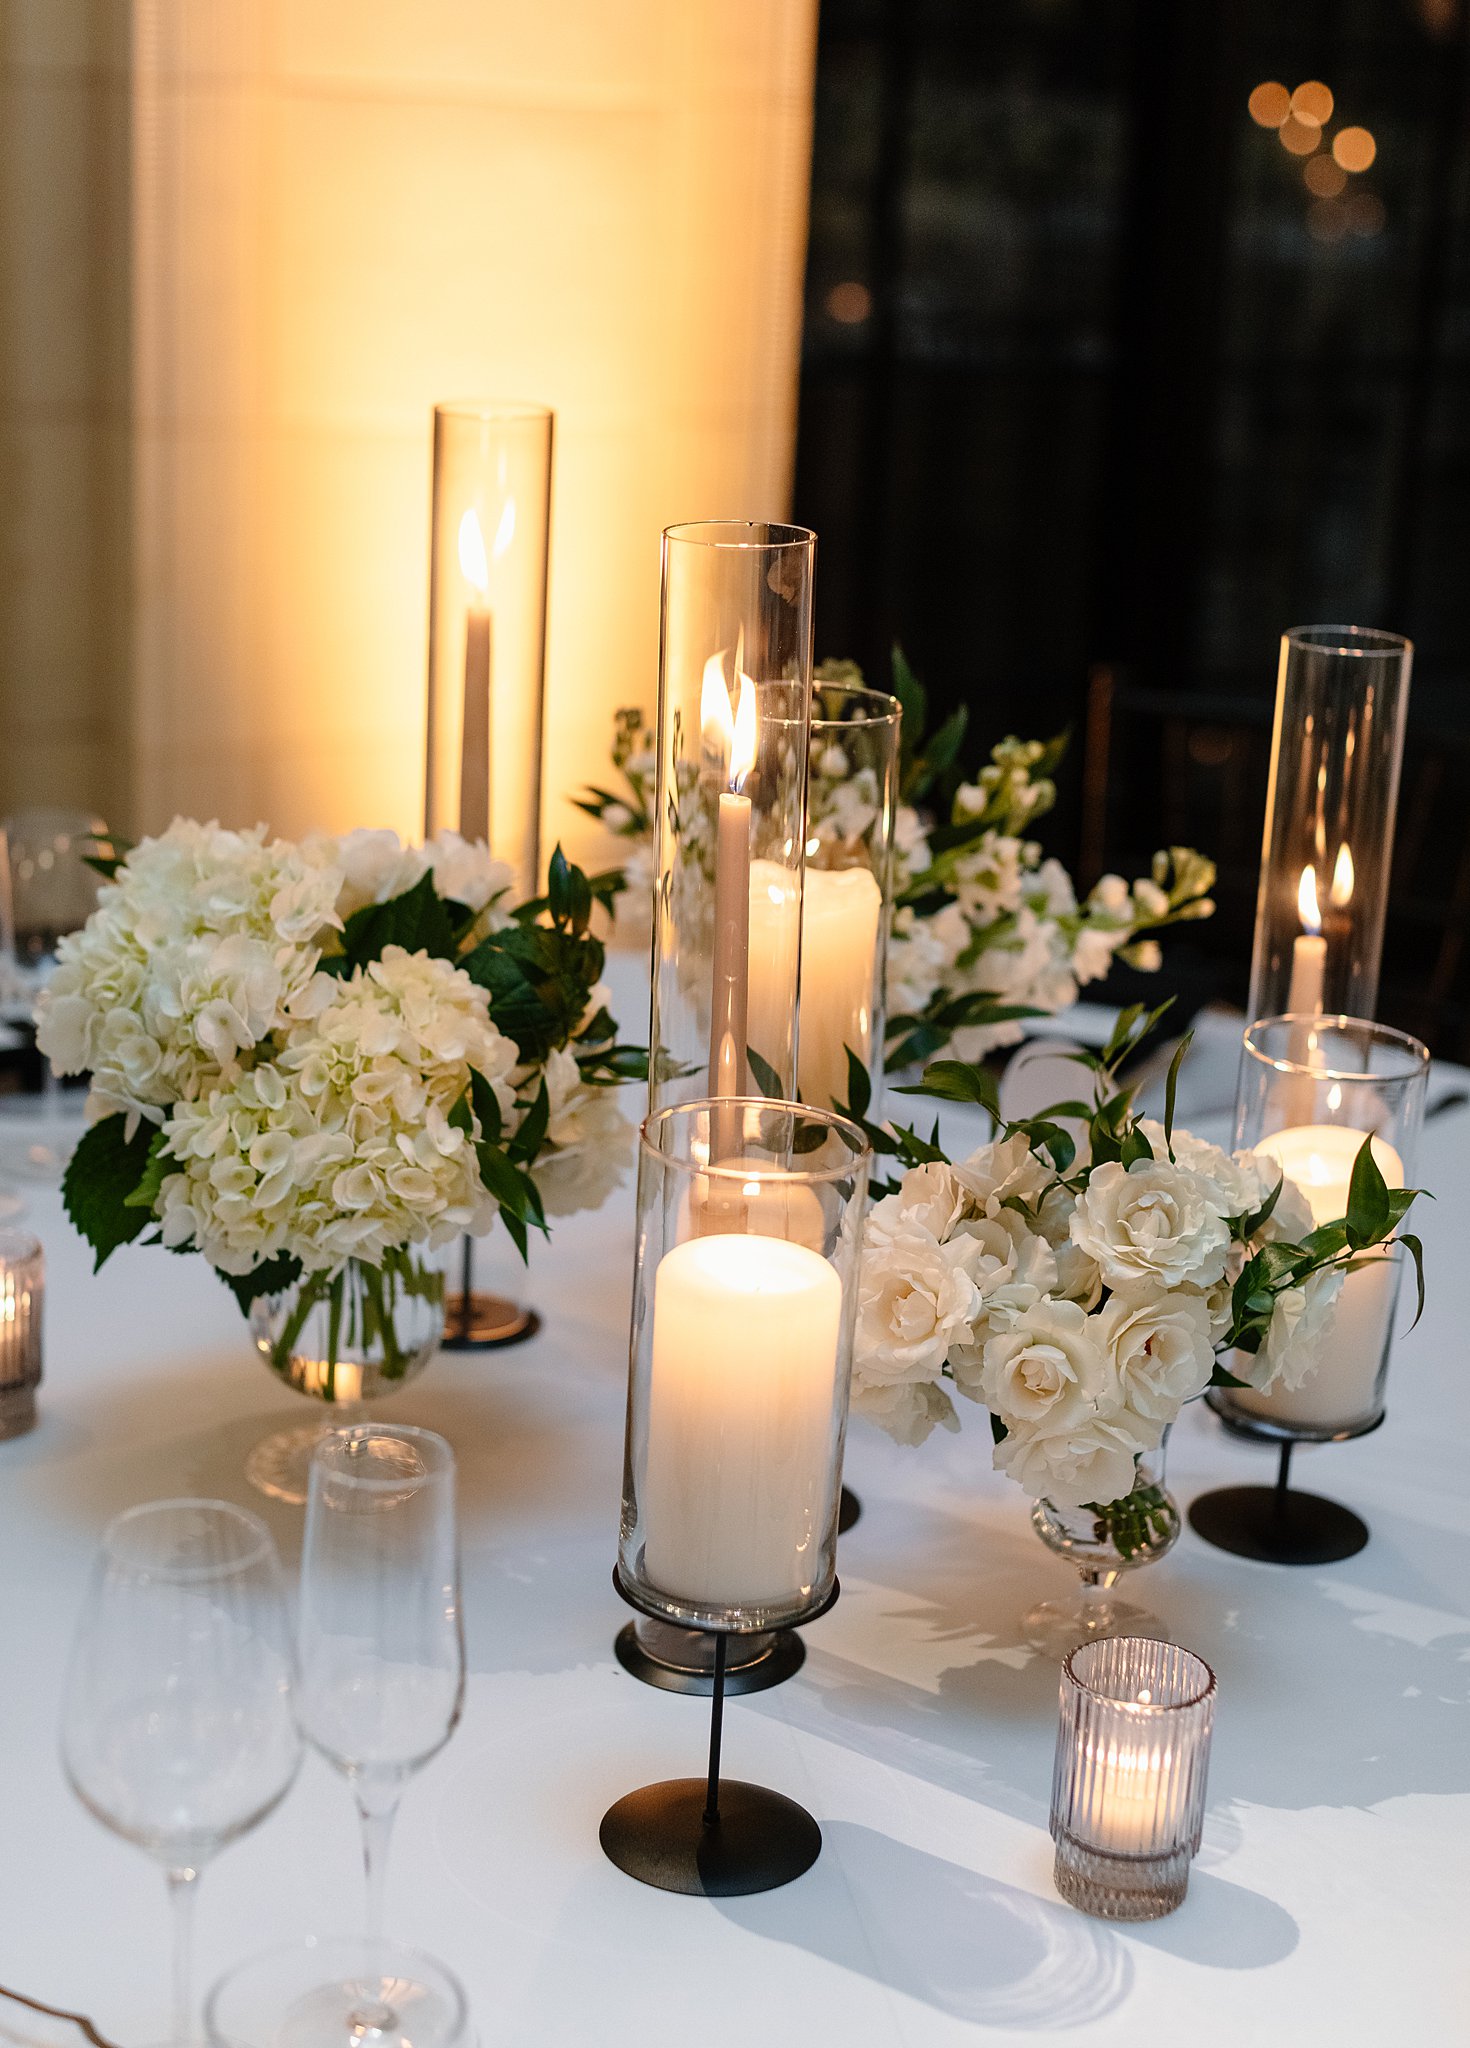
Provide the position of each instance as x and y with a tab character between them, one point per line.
1329	1901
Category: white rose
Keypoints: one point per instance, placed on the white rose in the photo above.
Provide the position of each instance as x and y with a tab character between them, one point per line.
1160	1353
930	1195
1046	1371
1077	1276
1012	1269
1301	1320
1087	1459
915	1300
999	1170
1149	1227
907	1410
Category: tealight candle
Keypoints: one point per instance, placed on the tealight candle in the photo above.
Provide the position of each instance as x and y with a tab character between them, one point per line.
1128	1788
22	1287
736	1490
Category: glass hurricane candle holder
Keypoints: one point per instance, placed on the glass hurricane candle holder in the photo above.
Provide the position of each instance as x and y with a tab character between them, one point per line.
487	628
1128	1786
847	892
734	727
1342	695
22	1291
744	1300
1311	1089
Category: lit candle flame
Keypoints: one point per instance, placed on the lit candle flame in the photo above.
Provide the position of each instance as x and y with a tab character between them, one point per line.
735	737
1341	891
472	550
1334	1098
1306	902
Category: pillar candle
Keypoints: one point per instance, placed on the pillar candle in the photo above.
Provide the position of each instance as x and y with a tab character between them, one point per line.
840	911
738	1480
1319	1158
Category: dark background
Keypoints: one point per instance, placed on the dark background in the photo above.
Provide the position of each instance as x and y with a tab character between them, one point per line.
1097	398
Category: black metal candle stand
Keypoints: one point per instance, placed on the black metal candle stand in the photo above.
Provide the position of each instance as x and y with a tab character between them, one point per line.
711	1837
1275	1524
849	1511
483	1322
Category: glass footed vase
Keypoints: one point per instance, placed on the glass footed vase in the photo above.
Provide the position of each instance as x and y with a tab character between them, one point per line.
1103	1542
342	1339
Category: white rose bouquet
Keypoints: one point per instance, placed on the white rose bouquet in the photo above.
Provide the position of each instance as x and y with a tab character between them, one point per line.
315	1063
986	930
1083	1289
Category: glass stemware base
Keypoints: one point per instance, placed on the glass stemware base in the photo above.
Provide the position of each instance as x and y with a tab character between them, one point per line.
280	1464
1102	1543
1057	1626
338	1993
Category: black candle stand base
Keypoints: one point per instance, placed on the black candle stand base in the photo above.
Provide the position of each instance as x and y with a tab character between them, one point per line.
491	1324
1302	1528
1277	1526
711	1837
782	1660
482	1322
849	1511
663	1835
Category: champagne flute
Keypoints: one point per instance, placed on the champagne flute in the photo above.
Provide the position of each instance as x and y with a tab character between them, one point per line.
382	1683
177	1729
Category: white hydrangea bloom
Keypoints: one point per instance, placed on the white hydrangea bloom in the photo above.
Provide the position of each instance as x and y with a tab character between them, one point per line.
200	948
343	1147
1301	1321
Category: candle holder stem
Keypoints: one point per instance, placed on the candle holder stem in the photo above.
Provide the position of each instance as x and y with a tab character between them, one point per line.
1276	1524
716	1732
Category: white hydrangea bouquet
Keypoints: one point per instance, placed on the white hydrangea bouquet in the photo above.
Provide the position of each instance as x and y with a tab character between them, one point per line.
317	1062
1084	1288
986	929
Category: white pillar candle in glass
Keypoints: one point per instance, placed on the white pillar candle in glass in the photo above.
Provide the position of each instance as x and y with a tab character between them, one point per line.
1319	1158
741	1400
474	744
840	913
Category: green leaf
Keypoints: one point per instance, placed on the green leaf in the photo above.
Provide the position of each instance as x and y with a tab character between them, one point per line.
1134	1147
1171	1088
764	1074
1368	1219
160	1166
1244	1227
486	1105
531	1135
958	1081
103	1171
271	1276
859	1085
912	695
419	920
1415	1249
1044	1135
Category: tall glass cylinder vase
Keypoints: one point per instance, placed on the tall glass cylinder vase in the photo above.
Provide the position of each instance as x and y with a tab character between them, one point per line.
1342	695
1312	1115
744	1302
487	628
734	725
847	894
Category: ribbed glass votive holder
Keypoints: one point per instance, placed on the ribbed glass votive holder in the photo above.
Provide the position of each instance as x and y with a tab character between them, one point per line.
22	1284
1128	1788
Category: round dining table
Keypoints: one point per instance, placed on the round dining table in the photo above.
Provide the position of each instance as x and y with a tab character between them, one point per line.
1328	1903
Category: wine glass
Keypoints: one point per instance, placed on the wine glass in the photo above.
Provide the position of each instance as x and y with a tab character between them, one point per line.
177	1730
382	1684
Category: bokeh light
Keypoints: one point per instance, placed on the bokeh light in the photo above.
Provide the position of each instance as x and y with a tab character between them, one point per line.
850	303
1354	148
1300	137
1325	177
1327	220
1269	104
1312	103
1365	213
